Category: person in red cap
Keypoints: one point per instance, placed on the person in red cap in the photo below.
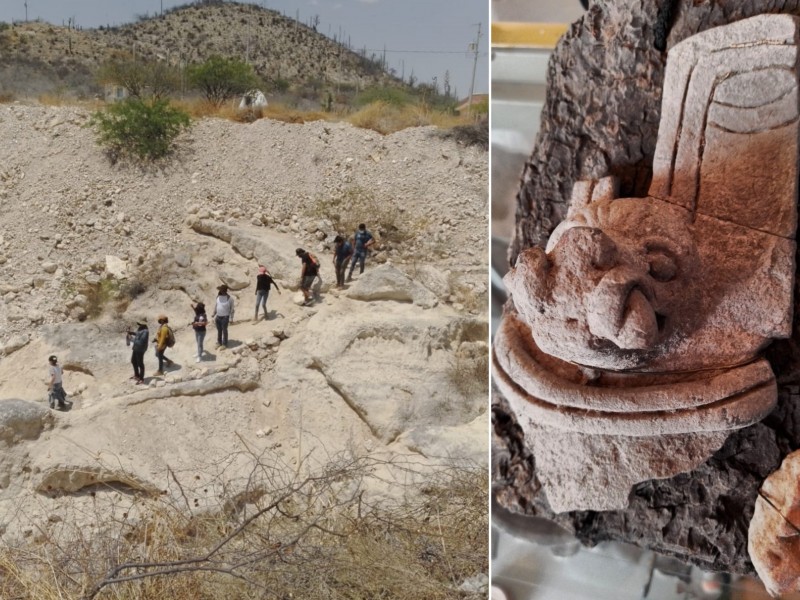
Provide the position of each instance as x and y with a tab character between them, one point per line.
263	283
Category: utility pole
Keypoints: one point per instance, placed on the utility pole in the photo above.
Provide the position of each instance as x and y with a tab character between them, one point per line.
26	11
474	47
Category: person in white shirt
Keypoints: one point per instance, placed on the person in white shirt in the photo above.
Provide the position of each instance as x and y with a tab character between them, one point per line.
55	386
223	315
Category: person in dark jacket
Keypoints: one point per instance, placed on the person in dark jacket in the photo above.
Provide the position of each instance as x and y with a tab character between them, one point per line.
263	283
342	252
138	340
199	325
308	274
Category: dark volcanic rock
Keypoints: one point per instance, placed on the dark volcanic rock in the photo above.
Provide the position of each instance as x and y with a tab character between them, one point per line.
601	117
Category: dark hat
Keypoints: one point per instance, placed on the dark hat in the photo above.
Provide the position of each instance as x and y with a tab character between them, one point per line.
223	288
299	252
199	306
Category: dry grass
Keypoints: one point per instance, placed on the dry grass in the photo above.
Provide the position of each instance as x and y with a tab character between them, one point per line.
290	536
469	370
356	204
387	118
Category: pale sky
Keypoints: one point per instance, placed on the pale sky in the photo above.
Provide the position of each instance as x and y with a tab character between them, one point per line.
428	36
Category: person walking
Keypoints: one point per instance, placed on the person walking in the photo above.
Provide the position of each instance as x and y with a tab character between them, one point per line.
138	340
308	274
199	325
363	241
55	386
342	251
263	283
223	315
164	339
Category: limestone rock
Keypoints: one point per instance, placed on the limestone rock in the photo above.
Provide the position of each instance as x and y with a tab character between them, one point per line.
389	283
22	420
275	252
116	267
235	280
14	344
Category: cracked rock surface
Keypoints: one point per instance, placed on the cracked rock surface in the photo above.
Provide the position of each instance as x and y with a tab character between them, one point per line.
306	383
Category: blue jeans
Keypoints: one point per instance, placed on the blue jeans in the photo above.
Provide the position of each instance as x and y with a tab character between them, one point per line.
199	336
161	359
261	300
358	256
222	329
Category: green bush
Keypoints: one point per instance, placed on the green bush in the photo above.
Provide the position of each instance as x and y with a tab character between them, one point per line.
145	130
222	78
141	79
388	95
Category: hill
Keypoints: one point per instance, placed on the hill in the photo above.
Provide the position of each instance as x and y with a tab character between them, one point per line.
390	371
38	57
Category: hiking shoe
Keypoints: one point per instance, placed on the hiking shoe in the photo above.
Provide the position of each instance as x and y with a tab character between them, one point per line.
158	374
197	360
308	302
169	363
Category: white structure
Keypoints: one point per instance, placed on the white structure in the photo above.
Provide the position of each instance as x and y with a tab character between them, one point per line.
253	99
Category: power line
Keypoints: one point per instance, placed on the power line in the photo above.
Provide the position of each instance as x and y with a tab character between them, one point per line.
420	51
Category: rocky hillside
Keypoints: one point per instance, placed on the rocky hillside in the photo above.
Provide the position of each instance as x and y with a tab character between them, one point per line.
395	365
36	57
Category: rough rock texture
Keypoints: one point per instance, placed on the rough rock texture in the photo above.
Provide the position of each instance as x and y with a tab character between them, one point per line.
774	536
600	118
182	228
22	420
389	283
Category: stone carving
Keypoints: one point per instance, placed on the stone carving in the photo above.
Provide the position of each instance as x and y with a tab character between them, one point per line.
634	348
774	536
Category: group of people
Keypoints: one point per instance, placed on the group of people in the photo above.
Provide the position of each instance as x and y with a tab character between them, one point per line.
353	251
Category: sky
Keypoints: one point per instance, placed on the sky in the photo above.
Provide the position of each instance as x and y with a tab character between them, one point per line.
429	37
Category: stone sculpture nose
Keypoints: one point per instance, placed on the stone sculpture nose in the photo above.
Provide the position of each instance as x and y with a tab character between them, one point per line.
620	309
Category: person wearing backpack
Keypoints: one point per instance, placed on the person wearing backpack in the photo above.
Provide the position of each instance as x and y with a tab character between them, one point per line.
223	315
263	283
164	339
342	252
362	242
308	274
138	340
199	325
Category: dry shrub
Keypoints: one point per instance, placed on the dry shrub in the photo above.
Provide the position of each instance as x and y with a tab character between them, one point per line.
288	535
354	205
471	134
7	97
55	99
388	118
280	112
469	370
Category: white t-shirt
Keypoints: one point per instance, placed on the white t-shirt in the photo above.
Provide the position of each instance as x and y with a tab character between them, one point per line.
224	306
55	370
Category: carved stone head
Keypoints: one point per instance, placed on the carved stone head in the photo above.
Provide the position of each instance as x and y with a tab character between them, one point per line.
617	284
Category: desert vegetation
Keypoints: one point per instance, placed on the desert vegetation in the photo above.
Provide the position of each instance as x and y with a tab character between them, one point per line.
291	532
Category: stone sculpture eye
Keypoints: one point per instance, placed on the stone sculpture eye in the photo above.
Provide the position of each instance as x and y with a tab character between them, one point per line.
663	266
